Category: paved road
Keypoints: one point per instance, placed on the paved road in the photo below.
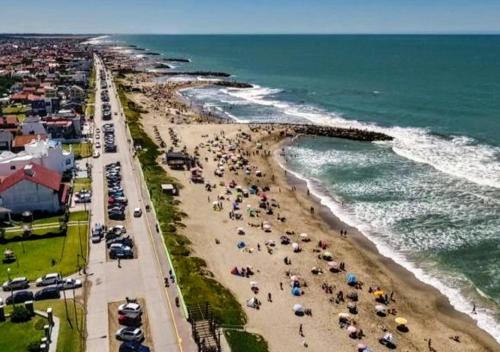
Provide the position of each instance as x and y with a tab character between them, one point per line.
141	277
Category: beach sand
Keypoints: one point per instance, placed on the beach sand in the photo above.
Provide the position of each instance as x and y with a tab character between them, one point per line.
429	314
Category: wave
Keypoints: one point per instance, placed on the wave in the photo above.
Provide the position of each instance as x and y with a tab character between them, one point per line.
458	156
484	317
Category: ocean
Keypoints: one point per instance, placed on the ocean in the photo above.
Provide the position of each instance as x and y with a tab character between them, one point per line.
429	199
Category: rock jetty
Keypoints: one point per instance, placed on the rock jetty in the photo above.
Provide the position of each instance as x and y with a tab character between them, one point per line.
327	131
233	84
173	59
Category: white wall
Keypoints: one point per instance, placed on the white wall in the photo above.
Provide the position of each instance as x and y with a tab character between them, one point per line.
27	195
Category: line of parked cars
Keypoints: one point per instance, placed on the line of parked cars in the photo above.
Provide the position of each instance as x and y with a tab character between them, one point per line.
52	284
130	317
109	138
117	202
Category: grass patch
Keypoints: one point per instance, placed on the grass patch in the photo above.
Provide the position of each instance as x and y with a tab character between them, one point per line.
71	339
90	102
194	279
245	341
15	337
56	254
82	183
80	150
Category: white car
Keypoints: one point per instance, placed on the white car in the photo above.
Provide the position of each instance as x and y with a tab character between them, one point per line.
130	334
131	310
137	212
69	284
49	279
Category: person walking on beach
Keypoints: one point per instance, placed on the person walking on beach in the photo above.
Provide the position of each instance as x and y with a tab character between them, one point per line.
269	297
301	331
473	308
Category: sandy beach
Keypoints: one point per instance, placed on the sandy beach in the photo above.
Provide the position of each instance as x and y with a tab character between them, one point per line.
282	210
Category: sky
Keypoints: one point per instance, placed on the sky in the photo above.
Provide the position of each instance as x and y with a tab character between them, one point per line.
249	16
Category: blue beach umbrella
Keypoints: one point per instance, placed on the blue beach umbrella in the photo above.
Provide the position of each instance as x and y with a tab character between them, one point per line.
241	244
351	278
296	291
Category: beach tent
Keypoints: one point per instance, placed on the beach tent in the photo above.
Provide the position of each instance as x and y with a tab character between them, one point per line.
296	291
327	255
252	302
241	244
351	279
298	309
401	321
379	308
334	266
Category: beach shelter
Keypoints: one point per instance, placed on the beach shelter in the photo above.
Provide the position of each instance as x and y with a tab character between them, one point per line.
241	231
252	302
327	255
241	244
296	291
298	309
333	265
351	279
351	329
401	321
379	308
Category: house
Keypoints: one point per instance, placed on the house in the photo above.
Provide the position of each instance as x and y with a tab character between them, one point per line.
5	140
21	140
33	125
33	188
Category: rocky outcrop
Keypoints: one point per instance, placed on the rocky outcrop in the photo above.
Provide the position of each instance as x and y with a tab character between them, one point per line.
173	59
161	65
198	73
326	131
233	84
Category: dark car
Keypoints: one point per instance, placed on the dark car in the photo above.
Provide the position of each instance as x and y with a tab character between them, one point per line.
131	346
47	293
116	215
19	297
129	321
125	240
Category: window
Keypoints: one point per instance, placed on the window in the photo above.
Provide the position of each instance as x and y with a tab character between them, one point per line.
13	167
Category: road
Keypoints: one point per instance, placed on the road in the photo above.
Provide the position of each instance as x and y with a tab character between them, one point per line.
141	277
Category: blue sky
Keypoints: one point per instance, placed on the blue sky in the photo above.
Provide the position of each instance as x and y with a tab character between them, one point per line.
250	16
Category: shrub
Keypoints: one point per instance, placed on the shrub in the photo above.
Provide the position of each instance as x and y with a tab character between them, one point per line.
34	347
20	314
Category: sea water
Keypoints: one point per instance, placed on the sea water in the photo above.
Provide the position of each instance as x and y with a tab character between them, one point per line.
429	199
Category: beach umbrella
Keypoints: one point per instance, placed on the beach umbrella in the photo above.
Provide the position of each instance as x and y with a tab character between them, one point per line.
241	244
266	227
361	347
344	315
333	265
351	278
254	284
388	337
296	291
298	308
351	305
327	255
378	293
295	246
401	321
380	308
351	329
251	302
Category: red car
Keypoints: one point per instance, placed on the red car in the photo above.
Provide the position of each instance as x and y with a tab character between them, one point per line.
128	321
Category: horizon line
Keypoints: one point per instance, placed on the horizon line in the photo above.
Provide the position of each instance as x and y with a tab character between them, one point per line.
258	33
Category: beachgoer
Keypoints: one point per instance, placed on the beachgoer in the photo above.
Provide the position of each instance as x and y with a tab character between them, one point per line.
269	297
281	286
301	331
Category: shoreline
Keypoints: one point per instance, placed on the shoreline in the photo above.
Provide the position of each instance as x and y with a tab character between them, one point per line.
449	313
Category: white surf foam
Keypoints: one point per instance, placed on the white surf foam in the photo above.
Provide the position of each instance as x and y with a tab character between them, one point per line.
458	156
484	316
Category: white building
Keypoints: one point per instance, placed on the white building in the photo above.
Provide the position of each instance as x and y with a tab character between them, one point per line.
47	153
33	188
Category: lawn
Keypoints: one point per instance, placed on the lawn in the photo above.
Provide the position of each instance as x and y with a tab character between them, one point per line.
244	341
71	338
82	183
80	150
57	254
15	337
89	110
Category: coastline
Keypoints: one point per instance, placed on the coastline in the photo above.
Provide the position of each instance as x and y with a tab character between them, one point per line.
447	315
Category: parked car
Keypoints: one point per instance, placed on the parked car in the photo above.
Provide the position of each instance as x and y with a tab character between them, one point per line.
131	346
19	297
126	320
69	284
116	215
48	279
130	334
126	241
47	293
118	250
130	309
18	283
137	212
